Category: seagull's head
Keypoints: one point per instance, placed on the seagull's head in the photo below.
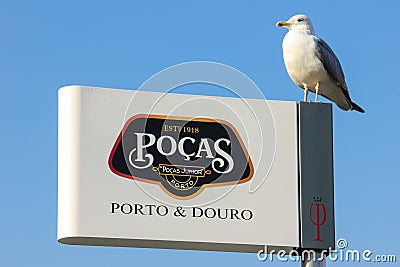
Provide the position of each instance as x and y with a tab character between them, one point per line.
298	23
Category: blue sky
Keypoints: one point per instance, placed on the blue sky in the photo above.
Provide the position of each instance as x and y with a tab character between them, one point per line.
49	44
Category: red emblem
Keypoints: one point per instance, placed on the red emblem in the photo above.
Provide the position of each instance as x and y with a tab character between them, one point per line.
317	216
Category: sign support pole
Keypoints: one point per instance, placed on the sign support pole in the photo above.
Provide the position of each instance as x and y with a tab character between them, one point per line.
317	261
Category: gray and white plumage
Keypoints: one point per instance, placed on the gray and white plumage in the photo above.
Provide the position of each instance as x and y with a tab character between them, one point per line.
312	65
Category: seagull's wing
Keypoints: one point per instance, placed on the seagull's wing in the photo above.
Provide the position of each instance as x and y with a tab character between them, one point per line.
331	64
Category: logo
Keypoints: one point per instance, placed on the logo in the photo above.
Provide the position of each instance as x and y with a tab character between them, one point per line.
319	216
182	155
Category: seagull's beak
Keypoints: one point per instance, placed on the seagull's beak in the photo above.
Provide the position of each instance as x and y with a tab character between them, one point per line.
283	24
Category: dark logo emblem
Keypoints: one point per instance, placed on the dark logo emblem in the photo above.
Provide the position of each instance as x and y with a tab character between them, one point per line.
319	217
182	155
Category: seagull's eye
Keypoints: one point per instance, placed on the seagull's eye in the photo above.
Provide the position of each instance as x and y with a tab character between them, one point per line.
300	20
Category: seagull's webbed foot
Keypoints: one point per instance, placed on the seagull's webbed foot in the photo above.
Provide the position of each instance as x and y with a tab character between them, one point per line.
316	91
305	93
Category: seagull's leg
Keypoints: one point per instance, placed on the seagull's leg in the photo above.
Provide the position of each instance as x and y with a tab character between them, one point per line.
305	92
316	92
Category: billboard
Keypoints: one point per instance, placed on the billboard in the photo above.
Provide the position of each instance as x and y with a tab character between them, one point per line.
161	170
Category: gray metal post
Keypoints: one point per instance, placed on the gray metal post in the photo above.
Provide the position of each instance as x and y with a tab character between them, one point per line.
317	262
316	180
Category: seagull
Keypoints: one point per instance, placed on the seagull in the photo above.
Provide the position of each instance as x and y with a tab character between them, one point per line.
312	64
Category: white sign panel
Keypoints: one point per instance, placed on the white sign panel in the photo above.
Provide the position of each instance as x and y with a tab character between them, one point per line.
147	169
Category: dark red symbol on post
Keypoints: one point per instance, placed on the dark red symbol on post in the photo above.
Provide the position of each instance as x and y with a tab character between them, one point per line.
319	217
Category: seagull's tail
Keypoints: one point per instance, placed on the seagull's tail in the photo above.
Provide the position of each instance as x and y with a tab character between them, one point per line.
356	107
